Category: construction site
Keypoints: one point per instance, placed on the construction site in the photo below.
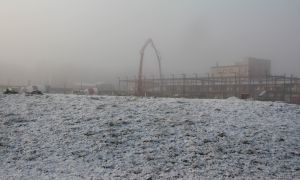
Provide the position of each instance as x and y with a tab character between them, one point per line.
271	88
251	78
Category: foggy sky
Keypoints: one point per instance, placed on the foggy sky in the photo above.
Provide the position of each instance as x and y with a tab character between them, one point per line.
99	40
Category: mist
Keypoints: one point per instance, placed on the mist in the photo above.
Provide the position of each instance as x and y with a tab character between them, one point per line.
58	41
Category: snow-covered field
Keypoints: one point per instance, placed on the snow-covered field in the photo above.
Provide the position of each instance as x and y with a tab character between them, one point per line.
83	137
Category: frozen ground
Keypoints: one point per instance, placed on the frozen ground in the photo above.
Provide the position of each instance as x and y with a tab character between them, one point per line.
82	137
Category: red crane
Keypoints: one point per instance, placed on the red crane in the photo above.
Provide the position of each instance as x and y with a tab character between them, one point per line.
140	88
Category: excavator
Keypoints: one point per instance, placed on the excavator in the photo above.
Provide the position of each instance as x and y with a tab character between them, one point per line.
140	85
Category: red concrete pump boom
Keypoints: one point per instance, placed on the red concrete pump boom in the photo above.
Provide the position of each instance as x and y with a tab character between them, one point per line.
140	88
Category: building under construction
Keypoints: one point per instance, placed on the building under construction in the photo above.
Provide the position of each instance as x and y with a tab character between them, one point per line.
250	78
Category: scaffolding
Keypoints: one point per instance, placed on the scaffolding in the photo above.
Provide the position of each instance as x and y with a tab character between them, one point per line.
268	88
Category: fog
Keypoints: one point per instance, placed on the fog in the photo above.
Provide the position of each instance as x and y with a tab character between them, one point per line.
55	41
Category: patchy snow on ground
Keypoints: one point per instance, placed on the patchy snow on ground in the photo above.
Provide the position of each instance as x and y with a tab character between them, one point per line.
102	137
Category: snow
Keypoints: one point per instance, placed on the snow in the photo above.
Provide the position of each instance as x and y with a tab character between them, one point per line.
106	137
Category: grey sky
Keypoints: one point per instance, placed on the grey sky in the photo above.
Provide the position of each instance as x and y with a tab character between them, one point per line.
99	40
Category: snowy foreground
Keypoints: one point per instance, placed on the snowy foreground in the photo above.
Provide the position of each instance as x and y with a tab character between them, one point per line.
83	137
